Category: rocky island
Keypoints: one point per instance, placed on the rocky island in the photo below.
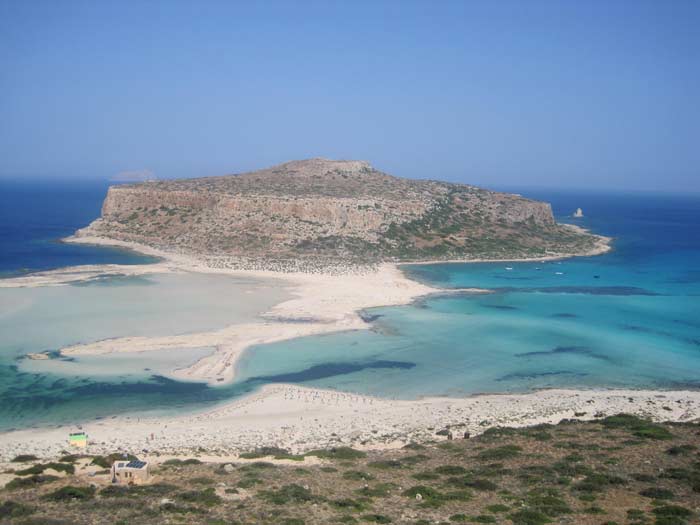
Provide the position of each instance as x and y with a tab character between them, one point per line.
322	213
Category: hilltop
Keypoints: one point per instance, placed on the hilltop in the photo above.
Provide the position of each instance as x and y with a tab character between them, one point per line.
333	211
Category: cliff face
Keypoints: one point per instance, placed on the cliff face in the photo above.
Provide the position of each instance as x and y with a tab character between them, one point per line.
331	210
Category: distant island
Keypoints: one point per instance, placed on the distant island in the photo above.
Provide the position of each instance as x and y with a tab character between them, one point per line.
319	212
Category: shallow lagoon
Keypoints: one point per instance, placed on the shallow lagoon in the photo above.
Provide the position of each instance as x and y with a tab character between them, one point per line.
48	318
629	318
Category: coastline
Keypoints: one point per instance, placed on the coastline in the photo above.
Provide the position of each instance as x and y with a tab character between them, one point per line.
299	419
320	303
602	245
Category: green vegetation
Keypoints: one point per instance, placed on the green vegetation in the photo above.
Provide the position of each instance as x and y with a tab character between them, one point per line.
40	468
636	426
206	497
584	473
11	509
72	493
291	493
181	462
500	453
24	458
107	461
339	453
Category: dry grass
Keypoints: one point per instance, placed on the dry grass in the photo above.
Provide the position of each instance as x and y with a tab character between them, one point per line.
620	470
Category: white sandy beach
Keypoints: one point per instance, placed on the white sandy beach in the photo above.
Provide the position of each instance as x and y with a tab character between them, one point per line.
321	303
300	418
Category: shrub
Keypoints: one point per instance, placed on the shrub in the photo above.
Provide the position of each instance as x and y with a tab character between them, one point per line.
498	453
385	464
380	490
672	511
24	458
639	427
71	492
598	482
12	509
679	450
529	517
418	458
548	502
357	475
425	476
483	518
656	493
70	458
348	504
40	468
34	469
257	465
32	481
178	462
376	518
450	470
206	497
106	461
473	483
248	482
341	453
202	480
291	493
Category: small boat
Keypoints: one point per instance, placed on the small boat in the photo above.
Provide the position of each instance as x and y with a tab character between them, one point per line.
559	273
508	268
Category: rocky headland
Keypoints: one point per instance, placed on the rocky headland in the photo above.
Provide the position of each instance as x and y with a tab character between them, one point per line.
321	213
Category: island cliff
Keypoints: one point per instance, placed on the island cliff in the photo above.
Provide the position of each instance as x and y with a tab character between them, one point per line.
332	212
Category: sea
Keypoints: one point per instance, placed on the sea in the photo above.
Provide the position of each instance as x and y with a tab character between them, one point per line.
626	319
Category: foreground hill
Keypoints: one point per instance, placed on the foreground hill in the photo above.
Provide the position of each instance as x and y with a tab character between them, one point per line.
325	210
616	470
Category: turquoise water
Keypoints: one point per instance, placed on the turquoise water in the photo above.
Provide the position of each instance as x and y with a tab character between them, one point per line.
630	318
68	389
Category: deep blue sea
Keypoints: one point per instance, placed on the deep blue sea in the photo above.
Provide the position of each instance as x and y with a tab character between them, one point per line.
630	318
35	216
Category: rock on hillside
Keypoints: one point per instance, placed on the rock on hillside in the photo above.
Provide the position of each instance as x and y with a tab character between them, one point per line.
322	210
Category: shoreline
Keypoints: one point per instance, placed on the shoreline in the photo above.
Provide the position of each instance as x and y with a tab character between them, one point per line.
320	303
299	419
603	245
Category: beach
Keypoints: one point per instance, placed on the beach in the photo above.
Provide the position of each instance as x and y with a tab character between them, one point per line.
320	303
299	418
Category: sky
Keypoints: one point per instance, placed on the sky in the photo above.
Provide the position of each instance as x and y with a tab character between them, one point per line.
601	94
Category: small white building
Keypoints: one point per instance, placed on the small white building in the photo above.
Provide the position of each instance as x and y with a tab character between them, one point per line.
133	472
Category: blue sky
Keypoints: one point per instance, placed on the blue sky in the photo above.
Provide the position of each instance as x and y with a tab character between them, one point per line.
601	94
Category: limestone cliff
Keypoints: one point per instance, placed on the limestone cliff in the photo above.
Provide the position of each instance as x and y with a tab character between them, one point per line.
325	210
